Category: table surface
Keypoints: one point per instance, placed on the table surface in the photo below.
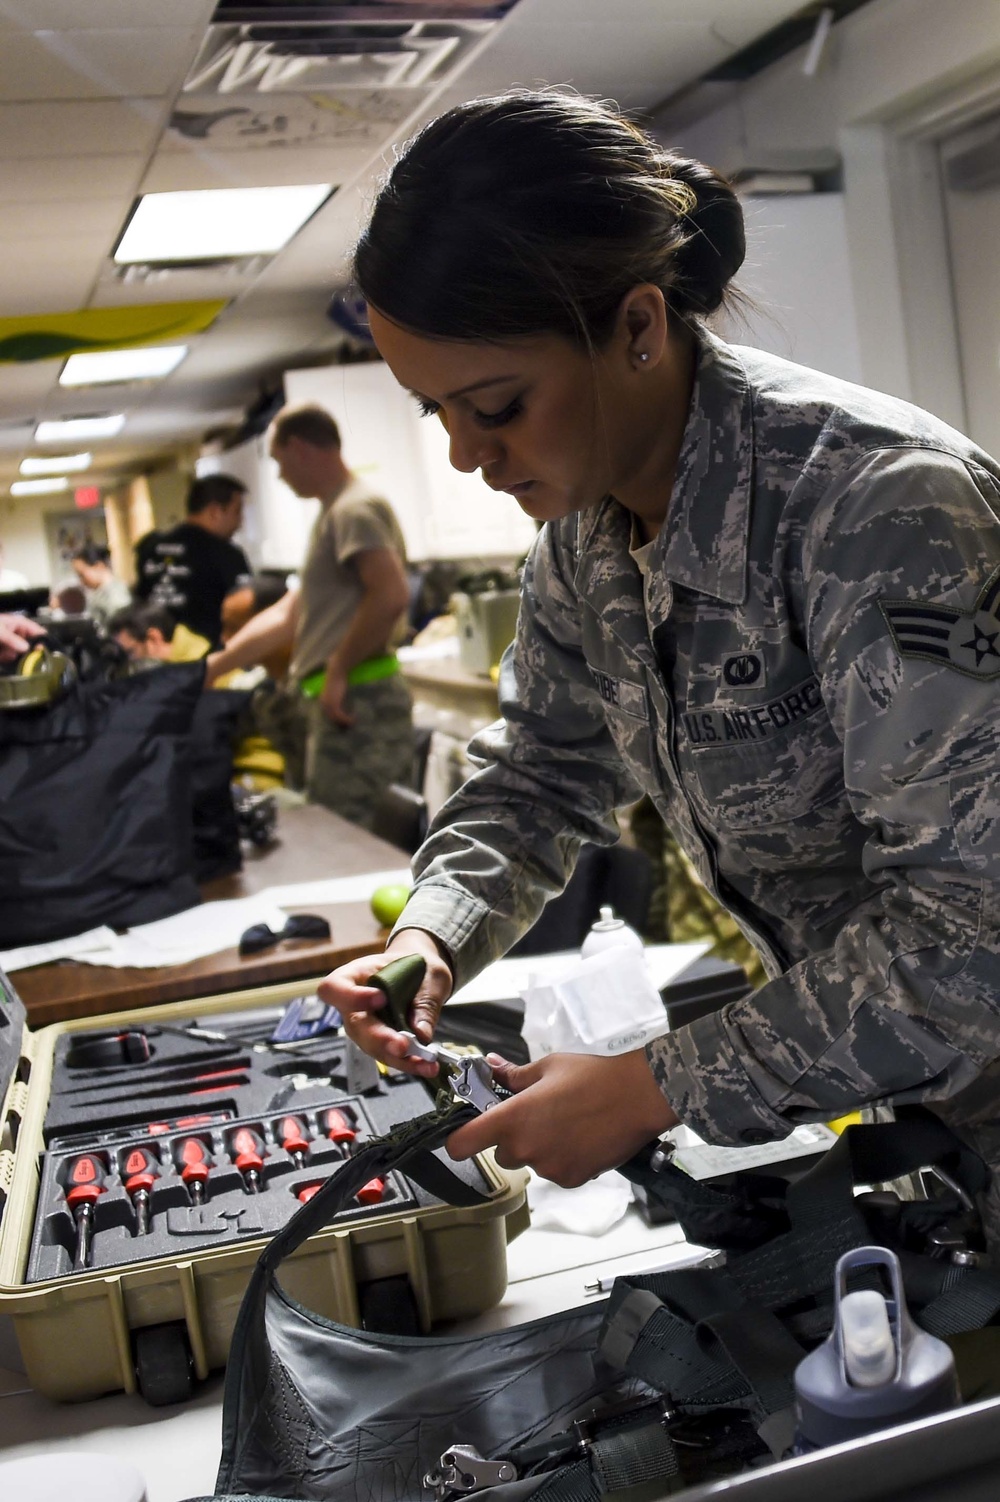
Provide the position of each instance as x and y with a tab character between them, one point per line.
313	844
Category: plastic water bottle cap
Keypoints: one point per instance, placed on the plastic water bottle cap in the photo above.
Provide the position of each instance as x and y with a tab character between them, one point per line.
869	1349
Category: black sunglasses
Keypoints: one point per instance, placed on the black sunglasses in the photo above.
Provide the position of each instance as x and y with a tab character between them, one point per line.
299	926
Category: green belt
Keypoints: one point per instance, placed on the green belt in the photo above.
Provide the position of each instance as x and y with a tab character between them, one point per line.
369	671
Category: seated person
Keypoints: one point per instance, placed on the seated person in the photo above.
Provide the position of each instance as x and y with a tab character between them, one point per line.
149	633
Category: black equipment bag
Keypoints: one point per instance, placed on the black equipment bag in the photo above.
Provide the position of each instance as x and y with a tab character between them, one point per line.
676	1378
95	794
218	721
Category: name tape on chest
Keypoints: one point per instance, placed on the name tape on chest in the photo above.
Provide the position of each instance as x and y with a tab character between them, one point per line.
620	694
965	640
720	727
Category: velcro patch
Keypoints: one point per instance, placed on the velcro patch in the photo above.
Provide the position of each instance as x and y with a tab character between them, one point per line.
719	727
966	640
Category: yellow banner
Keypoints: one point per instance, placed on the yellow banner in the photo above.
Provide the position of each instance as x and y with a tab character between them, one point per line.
53	336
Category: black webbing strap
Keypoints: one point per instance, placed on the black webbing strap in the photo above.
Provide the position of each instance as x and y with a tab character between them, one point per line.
633	1457
248	1368
693	1337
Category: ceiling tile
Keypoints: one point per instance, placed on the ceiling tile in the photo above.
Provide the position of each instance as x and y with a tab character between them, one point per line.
87	127
93	64
91	219
34	283
66	180
186	168
23	386
84	15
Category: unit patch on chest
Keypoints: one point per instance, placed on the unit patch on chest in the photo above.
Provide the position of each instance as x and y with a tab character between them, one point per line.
743	670
966	640
720	727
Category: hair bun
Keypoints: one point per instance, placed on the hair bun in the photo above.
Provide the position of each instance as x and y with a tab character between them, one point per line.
715	246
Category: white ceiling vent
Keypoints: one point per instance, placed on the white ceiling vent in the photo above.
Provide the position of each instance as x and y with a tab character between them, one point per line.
330	56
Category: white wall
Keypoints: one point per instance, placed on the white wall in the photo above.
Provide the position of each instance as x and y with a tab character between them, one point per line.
886	66
797	277
22	531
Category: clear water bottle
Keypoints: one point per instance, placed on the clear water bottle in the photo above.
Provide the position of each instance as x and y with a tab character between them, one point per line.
876	1369
609	932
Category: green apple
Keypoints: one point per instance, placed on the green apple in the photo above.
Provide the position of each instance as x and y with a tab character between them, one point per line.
388	902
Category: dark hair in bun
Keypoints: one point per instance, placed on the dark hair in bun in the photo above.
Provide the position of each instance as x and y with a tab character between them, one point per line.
536	212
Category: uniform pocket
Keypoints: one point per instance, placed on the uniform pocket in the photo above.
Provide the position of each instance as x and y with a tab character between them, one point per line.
764	765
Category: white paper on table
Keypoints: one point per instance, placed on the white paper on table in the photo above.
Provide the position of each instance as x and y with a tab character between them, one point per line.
58	949
333	889
187	936
506	979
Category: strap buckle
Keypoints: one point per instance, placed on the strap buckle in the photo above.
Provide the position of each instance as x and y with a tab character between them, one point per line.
467	1076
462	1470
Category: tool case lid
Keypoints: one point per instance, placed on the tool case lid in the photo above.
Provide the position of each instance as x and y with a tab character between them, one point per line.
12	1023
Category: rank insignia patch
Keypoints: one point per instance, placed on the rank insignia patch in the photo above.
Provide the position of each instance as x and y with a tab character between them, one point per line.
966	640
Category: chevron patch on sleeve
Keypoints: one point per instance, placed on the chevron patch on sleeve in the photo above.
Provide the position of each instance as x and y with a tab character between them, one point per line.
966	640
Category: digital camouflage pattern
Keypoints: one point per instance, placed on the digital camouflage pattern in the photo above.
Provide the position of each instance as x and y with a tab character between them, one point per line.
833	782
348	768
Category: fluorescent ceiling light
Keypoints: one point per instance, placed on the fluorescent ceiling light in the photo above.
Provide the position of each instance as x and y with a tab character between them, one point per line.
122	365
210	223
65	464
39	487
79	429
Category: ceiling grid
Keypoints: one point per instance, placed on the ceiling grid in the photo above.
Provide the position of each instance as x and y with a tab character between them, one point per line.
104	101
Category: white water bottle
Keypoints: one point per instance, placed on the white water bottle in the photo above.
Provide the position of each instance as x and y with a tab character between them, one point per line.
609	932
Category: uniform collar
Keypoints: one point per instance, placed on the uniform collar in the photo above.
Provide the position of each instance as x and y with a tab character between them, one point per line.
703	541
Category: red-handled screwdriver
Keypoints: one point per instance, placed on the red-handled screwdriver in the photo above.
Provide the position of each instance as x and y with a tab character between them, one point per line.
339	1128
194	1165
306	1194
139	1173
247	1151
291	1135
371	1193
85	1185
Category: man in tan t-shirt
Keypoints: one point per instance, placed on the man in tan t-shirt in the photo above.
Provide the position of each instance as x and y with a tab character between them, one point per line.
341	625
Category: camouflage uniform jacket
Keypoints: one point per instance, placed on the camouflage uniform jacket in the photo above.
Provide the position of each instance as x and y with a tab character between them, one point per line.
806	684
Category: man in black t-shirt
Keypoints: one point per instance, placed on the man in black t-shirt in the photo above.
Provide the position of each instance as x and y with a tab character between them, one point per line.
190	569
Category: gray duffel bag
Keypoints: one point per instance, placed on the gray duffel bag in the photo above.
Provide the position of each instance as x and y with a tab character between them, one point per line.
675	1379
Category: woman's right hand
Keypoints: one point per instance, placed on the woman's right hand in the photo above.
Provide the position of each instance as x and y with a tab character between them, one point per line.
360	1004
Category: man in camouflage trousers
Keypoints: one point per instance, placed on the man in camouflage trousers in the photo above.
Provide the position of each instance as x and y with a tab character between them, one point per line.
341	626
801	672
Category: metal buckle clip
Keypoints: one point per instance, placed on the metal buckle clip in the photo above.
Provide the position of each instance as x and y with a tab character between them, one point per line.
467	1076
462	1470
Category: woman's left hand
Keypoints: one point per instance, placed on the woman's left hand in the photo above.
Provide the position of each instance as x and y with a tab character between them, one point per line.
572	1117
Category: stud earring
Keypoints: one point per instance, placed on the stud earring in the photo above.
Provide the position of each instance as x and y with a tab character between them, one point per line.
644	356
